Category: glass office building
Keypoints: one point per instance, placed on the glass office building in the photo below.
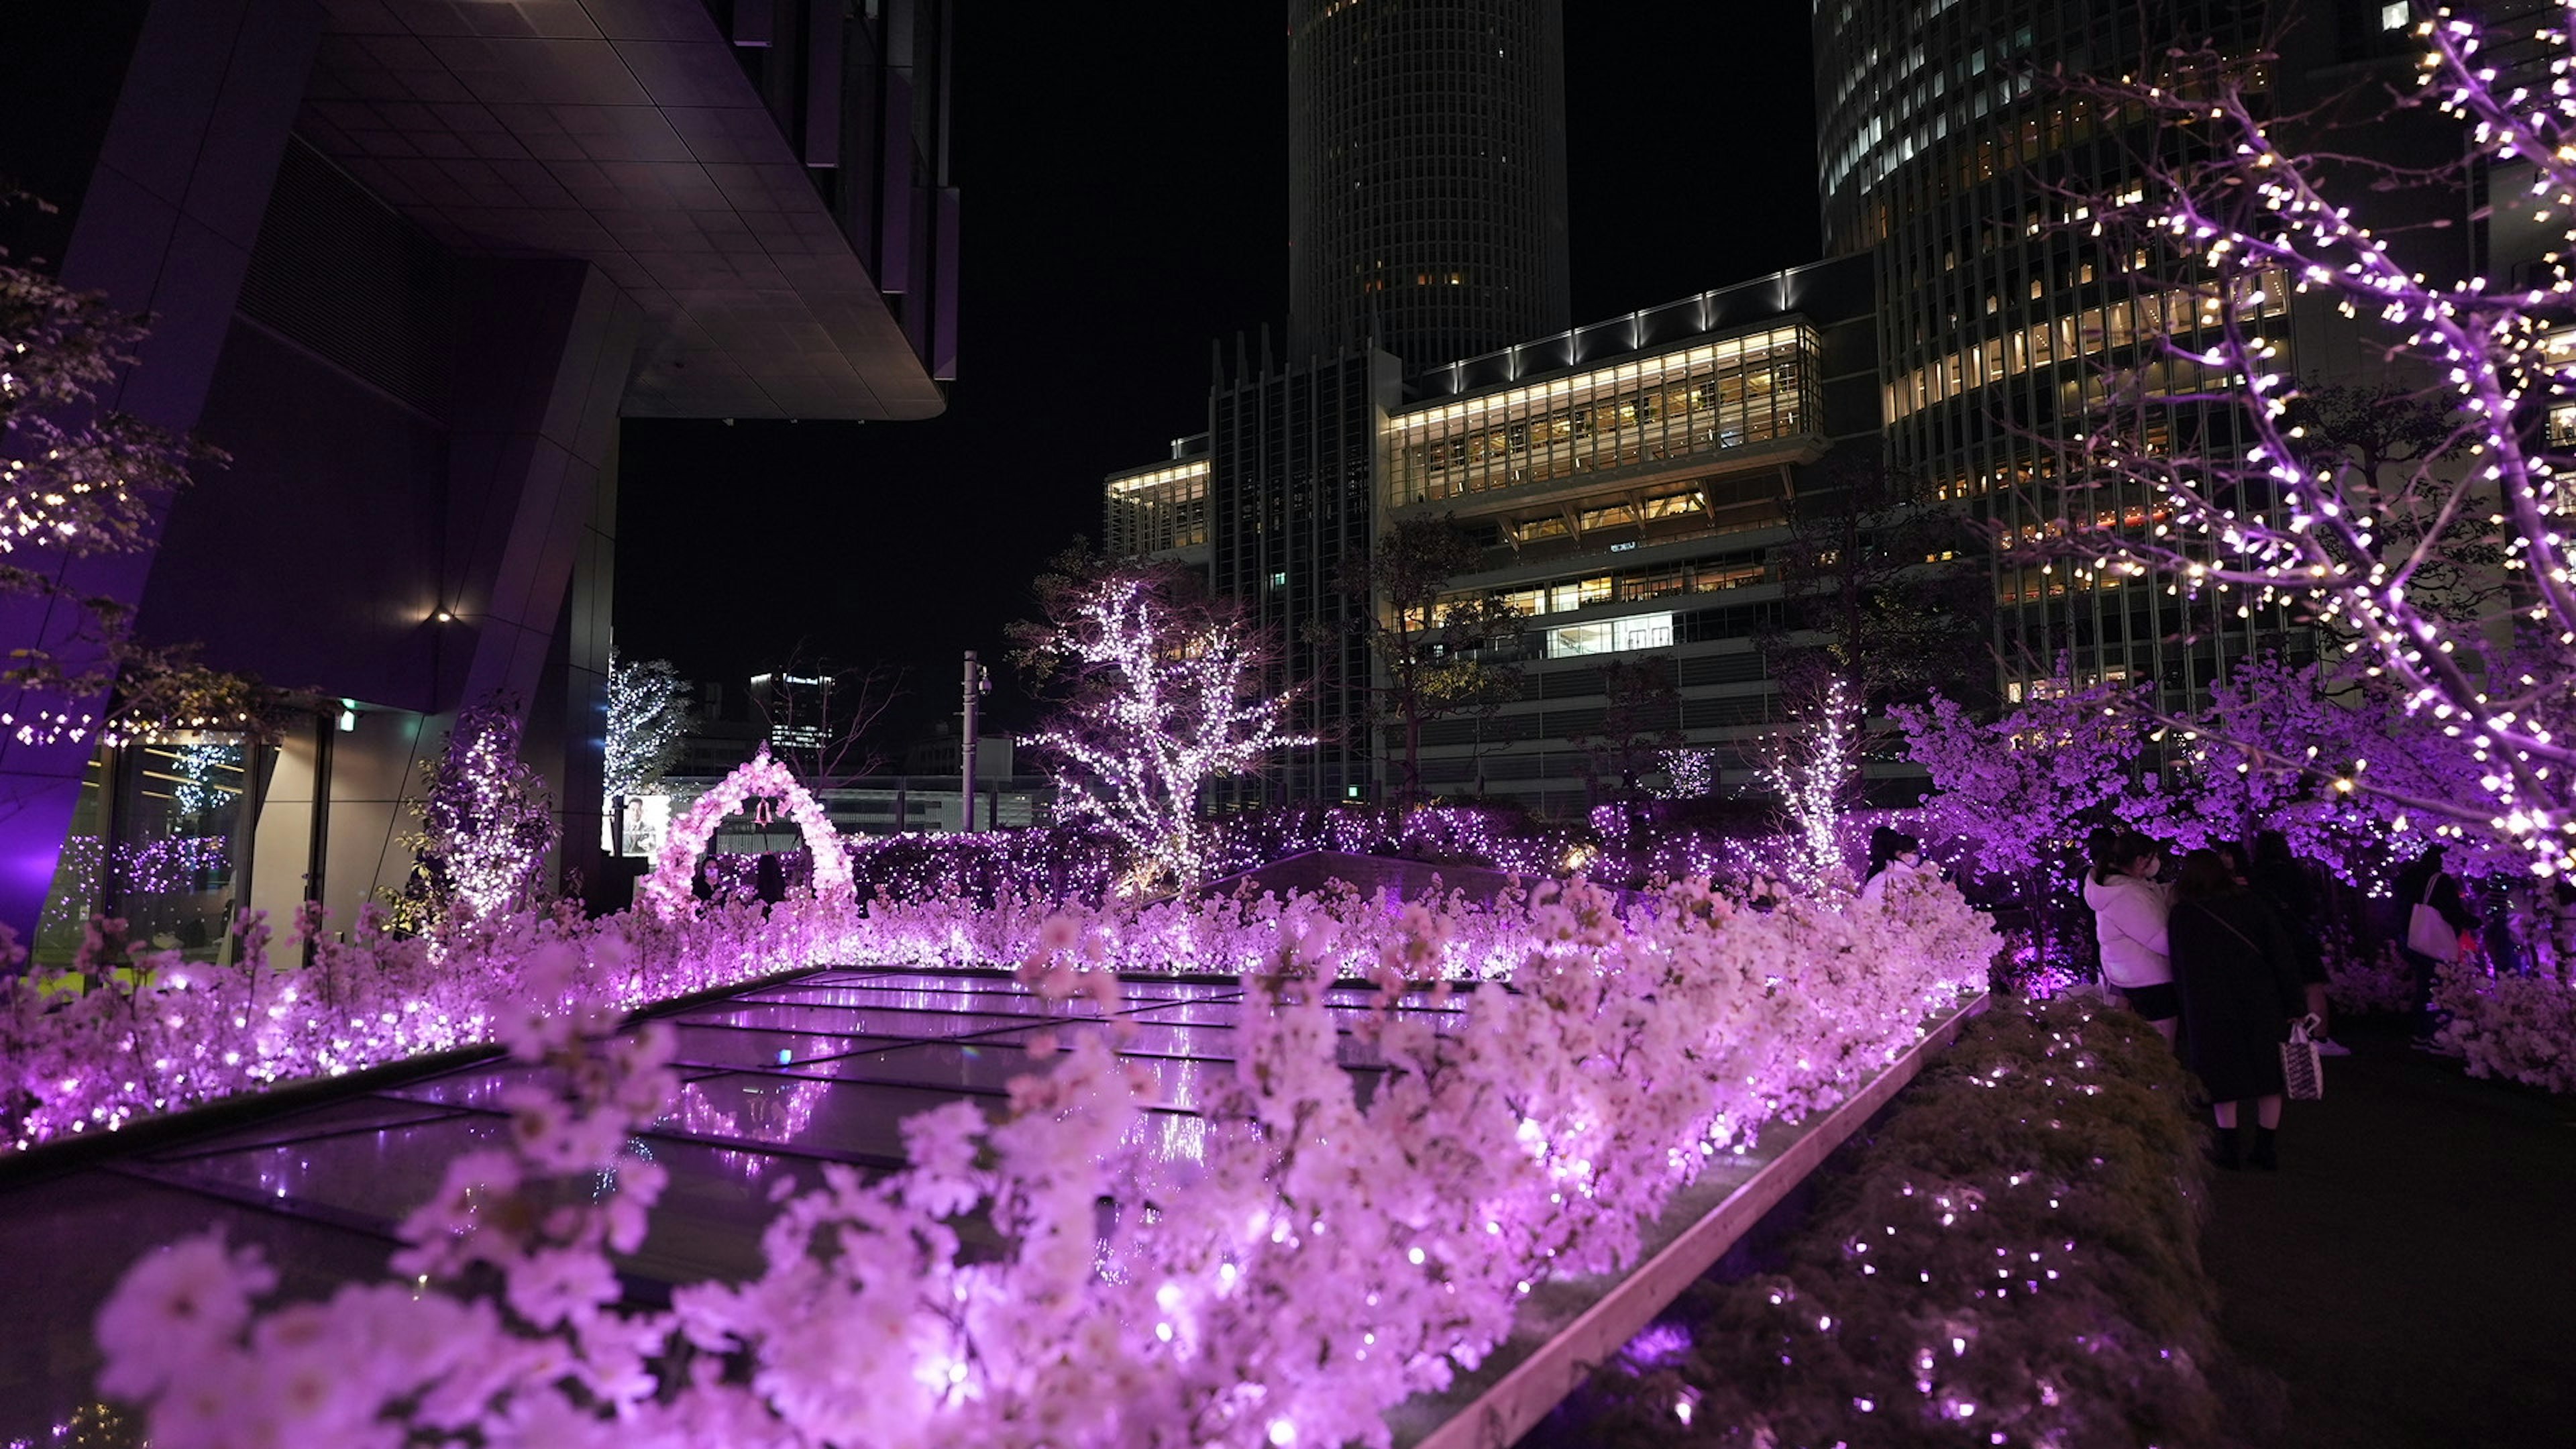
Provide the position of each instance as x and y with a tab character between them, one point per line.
1160	510
1627	480
1944	153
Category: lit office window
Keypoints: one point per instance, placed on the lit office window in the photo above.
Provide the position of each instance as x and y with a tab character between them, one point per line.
1718	395
1611	636
1158	509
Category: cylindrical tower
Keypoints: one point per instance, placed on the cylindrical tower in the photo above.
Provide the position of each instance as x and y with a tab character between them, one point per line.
1426	175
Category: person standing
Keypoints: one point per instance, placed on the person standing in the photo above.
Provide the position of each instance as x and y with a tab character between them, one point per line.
2129	911
1893	855
2240	991
2428	883
2232	856
2289	892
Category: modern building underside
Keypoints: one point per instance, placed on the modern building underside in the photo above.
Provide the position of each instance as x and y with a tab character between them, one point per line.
409	265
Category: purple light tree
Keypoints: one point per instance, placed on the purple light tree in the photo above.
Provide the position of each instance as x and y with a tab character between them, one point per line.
486	827
2482	681
2019	792
1163	693
1813	766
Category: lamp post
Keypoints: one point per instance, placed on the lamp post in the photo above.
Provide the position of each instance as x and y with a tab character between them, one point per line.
977	684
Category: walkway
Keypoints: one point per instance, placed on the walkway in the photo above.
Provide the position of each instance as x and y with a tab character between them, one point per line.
2411	1270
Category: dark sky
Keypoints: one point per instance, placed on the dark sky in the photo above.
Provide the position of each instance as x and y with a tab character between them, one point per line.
1125	187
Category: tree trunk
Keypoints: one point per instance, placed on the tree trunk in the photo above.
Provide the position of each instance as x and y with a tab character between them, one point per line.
1413	757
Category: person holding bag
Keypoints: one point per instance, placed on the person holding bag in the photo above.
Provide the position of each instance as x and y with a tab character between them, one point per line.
2436	919
2240	986
2284	885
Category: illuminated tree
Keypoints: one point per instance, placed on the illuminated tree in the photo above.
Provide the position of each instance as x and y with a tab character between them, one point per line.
80	479
1688	773
648	716
486	826
2019	791
2295	513
1163	692
1813	766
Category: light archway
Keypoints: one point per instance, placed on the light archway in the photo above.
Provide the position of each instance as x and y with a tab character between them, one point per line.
667	891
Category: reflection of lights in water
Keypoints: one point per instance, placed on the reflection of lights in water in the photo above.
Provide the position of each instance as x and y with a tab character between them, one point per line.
1174	1083
773	1112
604	1181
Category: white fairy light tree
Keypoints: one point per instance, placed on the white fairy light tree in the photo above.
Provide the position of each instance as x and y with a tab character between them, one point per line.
648	716
1814	769
2293	515
1163	694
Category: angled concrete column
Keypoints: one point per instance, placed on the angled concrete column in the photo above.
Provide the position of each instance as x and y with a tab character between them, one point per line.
531	502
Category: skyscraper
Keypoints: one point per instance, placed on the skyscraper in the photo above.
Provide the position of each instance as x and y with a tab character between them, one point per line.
1426	176
1937	146
1944	149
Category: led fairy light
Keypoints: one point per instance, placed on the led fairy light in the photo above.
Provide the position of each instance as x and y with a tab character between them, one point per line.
648	716
2351	548
485	823
1812	768
1288	1286
1168	702
668	890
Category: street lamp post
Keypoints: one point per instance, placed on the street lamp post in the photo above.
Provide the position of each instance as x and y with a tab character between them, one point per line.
977	684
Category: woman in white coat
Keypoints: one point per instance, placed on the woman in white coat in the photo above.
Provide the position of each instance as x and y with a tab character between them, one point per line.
2129	911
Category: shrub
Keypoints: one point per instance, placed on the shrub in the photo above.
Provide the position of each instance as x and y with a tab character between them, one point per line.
2014	1253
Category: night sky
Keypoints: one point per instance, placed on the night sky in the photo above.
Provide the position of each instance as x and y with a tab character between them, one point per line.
1125	205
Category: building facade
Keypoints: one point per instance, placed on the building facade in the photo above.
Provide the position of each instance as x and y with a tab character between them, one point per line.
1292	499
1945	153
1632	483
409	267
1426	177
1628	482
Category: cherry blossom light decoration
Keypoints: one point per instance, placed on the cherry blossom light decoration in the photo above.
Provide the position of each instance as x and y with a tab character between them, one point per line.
667	892
1308	1263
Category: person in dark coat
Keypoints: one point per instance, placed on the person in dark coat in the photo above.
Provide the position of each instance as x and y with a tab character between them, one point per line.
2285	886
2240	991
769	878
